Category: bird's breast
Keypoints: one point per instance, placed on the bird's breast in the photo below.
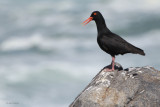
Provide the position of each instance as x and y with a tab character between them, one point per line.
101	45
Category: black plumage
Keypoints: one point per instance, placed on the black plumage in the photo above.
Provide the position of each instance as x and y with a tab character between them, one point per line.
109	42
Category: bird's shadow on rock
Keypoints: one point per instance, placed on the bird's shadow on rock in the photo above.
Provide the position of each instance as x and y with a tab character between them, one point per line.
117	66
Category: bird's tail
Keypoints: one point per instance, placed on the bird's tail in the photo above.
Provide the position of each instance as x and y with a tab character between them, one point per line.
139	51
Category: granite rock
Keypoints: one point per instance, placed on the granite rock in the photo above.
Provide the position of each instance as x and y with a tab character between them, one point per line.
131	87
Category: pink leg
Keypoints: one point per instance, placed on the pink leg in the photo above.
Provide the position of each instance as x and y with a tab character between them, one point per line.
112	64
113	60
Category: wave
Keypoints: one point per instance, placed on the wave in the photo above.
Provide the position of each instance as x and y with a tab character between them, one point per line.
70	43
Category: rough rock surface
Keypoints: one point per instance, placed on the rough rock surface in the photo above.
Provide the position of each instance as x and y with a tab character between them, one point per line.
132	87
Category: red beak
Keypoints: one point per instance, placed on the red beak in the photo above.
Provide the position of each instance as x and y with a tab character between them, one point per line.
87	21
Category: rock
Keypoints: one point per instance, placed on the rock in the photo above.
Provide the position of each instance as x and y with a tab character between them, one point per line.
132	87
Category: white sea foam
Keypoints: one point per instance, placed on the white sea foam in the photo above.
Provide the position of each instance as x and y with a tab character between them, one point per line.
21	43
37	40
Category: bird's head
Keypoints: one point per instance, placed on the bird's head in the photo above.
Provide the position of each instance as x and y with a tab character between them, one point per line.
94	16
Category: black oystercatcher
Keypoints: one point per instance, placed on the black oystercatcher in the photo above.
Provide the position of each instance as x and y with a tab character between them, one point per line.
109	42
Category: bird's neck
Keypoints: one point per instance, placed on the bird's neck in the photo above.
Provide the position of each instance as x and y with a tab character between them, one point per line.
101	26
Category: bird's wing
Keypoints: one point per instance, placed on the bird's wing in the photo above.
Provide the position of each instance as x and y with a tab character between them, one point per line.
115	44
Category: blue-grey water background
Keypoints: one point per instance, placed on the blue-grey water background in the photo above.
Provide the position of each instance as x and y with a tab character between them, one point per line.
47	57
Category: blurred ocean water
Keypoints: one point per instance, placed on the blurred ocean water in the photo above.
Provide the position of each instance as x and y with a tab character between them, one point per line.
47	57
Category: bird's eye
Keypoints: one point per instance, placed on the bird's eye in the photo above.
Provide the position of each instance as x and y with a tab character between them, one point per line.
95	13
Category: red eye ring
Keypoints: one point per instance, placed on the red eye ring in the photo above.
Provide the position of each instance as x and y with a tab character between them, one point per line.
95	13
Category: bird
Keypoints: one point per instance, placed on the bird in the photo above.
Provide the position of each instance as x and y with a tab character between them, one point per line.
110	42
